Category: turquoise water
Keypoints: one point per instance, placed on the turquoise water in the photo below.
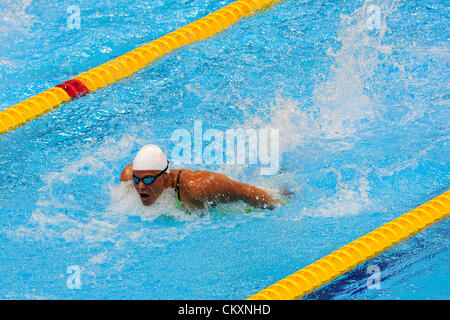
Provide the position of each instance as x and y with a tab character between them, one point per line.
361	105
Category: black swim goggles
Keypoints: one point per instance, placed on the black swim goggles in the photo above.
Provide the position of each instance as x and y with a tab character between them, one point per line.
148	180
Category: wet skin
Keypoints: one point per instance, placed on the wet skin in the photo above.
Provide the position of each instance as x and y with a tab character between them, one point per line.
198	188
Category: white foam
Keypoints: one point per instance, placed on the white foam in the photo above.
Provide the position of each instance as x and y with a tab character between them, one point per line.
126	201
14	14
349	199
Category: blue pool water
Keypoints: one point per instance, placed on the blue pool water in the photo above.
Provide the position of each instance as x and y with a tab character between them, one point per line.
362	109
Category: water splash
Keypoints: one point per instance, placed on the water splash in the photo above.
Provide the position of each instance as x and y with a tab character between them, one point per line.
15	17
344	107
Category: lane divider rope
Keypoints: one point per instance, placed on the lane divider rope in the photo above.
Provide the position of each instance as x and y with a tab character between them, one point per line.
357	252
128	63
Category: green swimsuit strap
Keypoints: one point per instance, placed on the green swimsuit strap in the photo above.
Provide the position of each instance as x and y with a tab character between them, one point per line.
178	202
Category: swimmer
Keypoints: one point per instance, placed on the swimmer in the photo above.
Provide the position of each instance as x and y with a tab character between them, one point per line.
150	174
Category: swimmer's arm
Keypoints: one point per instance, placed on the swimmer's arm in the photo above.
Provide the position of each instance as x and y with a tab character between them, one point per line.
255	196
235	190
127	173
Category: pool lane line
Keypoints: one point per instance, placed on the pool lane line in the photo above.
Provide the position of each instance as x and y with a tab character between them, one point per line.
128	63
355	253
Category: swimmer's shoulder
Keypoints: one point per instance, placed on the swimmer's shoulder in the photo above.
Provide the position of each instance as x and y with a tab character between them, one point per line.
201	184
127	173
202	177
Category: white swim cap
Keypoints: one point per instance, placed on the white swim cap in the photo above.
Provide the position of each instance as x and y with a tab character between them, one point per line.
150	157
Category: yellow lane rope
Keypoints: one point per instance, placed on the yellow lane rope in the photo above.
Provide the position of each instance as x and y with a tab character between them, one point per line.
128	63
342	260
